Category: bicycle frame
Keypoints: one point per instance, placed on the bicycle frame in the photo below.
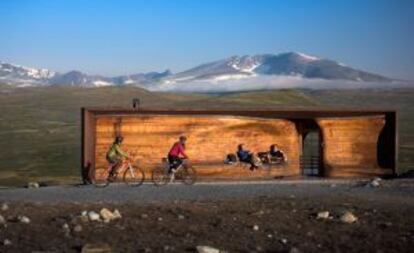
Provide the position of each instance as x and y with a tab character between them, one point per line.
126	165
129	167
162	175
167	166
172	175
131	173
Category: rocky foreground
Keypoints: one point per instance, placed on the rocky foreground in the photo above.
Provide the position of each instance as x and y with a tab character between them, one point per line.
295	223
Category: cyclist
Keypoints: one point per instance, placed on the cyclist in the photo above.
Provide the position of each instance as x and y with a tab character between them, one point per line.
115	155
177	154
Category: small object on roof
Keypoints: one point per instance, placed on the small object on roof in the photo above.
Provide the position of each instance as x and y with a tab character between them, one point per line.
136	102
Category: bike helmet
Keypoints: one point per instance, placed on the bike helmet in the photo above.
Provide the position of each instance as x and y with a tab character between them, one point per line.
119	139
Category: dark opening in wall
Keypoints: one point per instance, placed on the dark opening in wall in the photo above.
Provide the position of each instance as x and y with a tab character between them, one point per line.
311	158
386	144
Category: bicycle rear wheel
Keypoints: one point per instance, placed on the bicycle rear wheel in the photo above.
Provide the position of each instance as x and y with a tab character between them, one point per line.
134	176
160	177
99	177
188	175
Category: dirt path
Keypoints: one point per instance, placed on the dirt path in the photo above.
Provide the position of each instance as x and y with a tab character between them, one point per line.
148	193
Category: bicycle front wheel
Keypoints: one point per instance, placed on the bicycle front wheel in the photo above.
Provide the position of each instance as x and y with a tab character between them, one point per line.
134	176
189	175
160	177
99	177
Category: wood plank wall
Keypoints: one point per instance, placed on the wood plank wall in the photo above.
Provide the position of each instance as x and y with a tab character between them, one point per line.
210	138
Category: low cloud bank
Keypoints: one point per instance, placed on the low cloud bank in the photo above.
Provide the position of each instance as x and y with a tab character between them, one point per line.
270	83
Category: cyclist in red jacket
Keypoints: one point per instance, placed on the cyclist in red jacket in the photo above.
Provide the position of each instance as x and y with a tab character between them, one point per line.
177	154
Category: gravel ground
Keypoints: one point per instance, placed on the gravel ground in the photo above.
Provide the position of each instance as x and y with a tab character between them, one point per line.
148	193
276	216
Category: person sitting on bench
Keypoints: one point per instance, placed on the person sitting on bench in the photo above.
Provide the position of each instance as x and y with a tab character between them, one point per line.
247	157
276	155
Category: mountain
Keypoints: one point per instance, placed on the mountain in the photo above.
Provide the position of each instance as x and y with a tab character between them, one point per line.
285	64
24	76
77	78
141	78
262	68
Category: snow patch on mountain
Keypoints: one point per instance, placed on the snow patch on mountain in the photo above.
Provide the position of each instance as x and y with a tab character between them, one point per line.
99	83
39	73
308	57
245	64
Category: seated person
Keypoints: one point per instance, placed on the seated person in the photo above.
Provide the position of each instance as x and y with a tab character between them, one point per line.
177	154
275	154
247	157
114	156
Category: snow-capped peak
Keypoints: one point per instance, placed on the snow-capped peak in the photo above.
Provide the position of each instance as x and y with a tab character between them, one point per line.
26	72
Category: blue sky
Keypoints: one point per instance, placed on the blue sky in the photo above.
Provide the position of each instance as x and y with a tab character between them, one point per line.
123	37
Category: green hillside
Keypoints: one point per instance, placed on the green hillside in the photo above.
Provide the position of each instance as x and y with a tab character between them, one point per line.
40	127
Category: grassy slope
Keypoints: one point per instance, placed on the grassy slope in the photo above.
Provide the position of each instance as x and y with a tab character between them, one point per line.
40	130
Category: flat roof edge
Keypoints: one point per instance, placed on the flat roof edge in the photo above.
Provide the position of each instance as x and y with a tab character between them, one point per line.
283	109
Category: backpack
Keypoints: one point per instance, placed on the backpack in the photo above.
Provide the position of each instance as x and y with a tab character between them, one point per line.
263	156
231	159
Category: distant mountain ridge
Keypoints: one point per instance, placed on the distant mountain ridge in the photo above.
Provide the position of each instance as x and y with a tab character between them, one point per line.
22	76
233	68
286	64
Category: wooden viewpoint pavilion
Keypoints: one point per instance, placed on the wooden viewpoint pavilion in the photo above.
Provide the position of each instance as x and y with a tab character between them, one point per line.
317	142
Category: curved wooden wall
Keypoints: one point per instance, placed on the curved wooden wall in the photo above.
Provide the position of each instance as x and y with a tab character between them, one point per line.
210	138
350	146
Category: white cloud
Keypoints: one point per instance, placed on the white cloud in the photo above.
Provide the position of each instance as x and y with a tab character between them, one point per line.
266	83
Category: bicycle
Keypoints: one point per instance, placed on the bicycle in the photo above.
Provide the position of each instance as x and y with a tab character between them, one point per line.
162	175
132	175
